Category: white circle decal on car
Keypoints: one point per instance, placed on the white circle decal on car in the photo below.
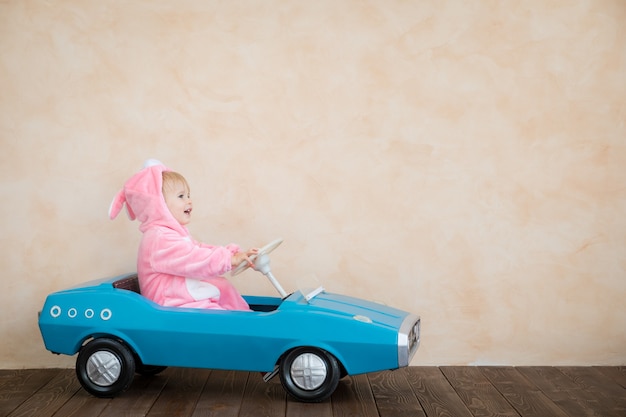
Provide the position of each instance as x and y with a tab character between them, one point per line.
71	312
105	314
55	311
89	313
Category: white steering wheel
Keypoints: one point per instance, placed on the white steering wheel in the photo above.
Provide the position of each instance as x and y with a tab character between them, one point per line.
262	264
264	250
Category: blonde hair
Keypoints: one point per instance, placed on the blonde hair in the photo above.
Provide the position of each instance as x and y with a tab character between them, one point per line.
171	178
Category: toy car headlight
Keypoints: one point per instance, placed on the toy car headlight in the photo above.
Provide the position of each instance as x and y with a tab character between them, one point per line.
408	339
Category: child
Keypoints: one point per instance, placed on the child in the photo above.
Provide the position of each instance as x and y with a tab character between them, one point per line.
173	269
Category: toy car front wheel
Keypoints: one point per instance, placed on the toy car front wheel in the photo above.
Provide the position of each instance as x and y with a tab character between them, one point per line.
309	374
105	367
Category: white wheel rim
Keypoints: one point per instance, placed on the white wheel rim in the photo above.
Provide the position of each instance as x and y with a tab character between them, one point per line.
104	368
308	371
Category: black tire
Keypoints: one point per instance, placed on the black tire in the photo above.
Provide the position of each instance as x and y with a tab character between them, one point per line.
148	370
105	367
309	374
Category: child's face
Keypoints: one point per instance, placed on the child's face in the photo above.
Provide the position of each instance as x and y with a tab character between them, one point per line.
178	201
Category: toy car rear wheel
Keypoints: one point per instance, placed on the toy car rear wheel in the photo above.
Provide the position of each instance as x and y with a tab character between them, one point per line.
105	367
309	374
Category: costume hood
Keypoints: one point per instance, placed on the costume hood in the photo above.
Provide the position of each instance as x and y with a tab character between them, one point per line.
143	196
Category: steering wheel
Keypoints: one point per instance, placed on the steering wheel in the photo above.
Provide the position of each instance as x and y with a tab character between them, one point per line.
262	251
262	264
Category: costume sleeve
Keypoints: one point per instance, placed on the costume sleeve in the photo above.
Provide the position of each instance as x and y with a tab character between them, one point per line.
175	255
233	248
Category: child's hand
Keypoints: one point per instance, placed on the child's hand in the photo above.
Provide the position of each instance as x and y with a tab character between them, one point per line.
240	257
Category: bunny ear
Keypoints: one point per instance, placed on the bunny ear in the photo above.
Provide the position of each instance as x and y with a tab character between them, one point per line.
151	162
117	204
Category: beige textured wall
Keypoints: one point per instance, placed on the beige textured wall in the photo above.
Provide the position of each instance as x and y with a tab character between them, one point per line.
463	160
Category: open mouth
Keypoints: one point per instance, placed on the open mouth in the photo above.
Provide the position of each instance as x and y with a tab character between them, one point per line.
188	211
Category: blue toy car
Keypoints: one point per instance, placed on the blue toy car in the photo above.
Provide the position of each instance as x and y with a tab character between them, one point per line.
310	340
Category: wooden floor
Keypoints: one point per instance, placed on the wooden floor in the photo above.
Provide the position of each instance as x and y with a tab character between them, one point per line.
413	391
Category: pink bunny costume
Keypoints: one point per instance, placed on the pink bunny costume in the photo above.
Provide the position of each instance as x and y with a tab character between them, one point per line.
173	269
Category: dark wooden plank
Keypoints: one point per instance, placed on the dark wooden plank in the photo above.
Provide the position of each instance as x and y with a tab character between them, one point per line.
47	400
477	393
135	402
17	386
570	397
527	399
222	395
181	393
592	380
393	395
435	393
617	373
353	397
446	391
10	378
83	404
263	398
299	409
